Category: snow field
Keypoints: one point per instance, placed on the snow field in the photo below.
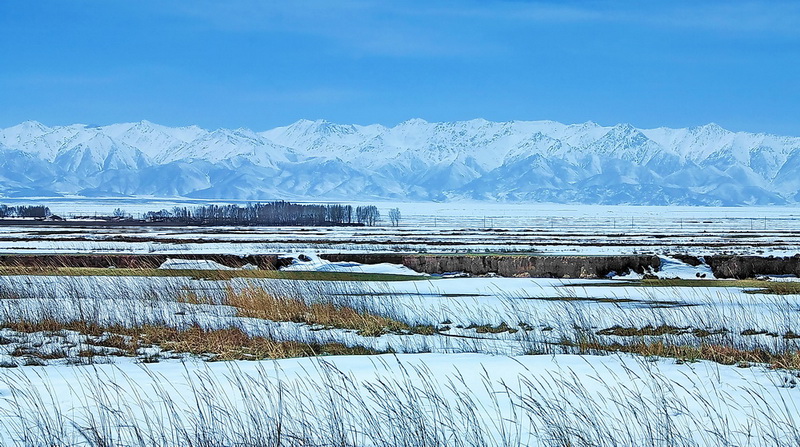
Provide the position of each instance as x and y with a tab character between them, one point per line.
413	400
310	262
469	314
456	227
468	383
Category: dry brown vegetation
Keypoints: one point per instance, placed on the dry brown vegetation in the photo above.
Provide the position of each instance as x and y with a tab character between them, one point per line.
655	331
253	302
217	344
756	286
234	344
726	355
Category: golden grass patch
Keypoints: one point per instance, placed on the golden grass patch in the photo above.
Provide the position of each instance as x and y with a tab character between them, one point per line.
253	302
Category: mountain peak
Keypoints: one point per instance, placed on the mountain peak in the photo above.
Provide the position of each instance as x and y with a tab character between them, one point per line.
146	124
413	122
624	128
712	128
303	122
32	124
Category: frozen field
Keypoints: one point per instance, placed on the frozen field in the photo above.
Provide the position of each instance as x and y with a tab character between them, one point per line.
472	214
498	368
190	358
502	316
416	400
444	228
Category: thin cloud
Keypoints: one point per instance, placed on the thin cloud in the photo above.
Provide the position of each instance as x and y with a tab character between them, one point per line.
437	29
356	27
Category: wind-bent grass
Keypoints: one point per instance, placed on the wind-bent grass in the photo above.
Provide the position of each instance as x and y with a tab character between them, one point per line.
409	406
398	402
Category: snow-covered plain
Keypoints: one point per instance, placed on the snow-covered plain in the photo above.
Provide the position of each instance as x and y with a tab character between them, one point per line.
442	228
538	314
457	386
500	367
414	400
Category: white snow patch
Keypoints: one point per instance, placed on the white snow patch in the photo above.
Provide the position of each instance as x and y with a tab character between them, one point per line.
672	268
309	262
781	278
193	264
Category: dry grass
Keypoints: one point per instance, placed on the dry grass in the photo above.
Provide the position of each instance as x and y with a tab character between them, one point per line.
50	325
753	285
726	355
217	344
756	286
234	344
253	302
489	329
656	331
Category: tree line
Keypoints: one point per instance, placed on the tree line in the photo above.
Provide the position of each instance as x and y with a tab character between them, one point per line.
36	211
268	214
271	213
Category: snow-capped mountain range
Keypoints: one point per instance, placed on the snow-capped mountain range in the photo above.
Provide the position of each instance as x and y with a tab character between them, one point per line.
541	161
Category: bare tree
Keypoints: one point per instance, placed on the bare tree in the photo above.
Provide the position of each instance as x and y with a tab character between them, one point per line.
368	215
394	216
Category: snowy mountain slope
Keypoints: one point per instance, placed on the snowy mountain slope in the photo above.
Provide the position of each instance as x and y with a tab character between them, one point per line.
414	160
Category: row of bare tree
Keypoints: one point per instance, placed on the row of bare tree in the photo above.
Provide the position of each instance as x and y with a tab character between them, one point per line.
38	211
272	213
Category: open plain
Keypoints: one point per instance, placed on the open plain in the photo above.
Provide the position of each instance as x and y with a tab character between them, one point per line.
329	336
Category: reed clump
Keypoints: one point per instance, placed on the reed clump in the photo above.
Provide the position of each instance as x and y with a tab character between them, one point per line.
254	302
718	353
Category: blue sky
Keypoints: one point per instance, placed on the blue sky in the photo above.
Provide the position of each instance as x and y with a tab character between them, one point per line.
261	64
